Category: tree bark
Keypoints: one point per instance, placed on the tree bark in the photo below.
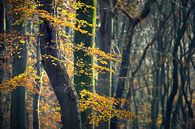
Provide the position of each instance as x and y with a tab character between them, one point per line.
126	52
83	62
18	97
105	36
179	34
1	60
59	79
123	70
57	74
36	97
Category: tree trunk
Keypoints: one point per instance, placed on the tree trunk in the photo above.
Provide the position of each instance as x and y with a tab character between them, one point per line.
105	36
2	11
123	70
18	98
59	79
36	122
105	32
83	62
57	74
84	80
156	82
126	52
179	34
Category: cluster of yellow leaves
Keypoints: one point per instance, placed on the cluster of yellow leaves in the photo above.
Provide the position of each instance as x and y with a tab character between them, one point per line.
29	9
102	57
13	41
159	120
102	54
95	52
10	37
101	69
103	108
26	79
26	12
89	51
65	18
52	113
193	101
80	5
49	110
84	68
21	17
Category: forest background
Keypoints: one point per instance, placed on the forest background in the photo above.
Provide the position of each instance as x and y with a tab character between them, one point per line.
97	64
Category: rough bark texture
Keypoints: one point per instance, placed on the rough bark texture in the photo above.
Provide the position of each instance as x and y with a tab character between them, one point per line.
59	79
57	74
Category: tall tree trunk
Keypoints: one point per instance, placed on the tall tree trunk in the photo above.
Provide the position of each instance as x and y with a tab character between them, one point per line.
18	97
105	36
126	52
36	97
59	79
2	24
179	34
105	32
123	70
83	63
157	82
57	74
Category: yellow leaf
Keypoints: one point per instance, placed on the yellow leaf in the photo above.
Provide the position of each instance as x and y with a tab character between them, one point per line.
22	41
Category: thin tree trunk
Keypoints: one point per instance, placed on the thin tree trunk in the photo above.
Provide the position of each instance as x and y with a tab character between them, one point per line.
36	99
2	11
180	32
123	70
156	83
